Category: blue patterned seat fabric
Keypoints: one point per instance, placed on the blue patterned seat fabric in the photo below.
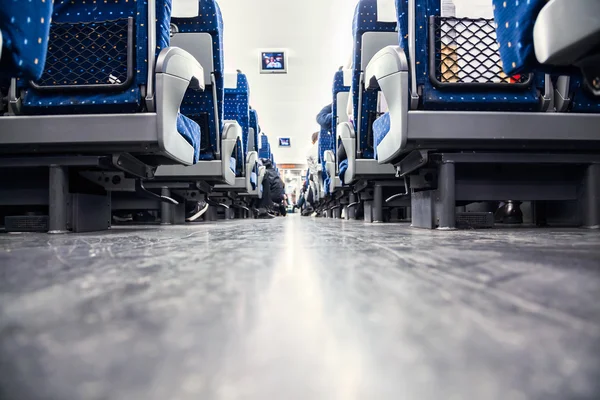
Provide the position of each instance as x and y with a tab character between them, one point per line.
190	130
325	143
265	148
237	108
381	127
338	87
343	169
80	11
515	20
25	26
581	100
200	105
452	100
104	15
254	125
365	20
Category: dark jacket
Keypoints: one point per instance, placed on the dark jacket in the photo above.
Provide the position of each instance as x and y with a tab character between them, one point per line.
275	184
325	118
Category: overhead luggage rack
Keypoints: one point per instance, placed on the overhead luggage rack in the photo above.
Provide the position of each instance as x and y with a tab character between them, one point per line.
464	53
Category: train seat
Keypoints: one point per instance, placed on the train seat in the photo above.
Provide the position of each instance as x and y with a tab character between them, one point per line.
342	83
374	28
197	27
237	108
111	69
446	88
253	131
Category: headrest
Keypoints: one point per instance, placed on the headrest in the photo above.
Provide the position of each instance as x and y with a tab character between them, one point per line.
231	80
386	11
348	77
185	9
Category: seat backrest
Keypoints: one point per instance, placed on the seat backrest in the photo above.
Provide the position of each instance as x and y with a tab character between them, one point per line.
372	31
253	131
200	32
98	57
24	28
457	63
265	147
326	142
237	107
342	82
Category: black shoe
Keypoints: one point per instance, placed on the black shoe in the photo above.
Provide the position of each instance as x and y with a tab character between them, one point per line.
282	210
199	210
510	213
308	211
263	213
144	216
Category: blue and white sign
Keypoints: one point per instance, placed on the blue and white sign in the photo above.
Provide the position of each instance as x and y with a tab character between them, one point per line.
285	142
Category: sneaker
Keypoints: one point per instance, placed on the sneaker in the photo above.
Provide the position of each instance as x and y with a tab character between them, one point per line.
198	211
510	213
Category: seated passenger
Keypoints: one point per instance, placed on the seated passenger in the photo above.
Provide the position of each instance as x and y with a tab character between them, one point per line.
273	193
325	117
312	160
312	156
306	197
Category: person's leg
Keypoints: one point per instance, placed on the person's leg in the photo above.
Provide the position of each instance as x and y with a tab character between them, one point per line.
265	203
301	201
341	152
308	209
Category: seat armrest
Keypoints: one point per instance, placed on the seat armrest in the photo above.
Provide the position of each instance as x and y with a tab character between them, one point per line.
251	161
262	171
566	30
232	131
176	71
388	61
347	135
388	70
179	63
330	168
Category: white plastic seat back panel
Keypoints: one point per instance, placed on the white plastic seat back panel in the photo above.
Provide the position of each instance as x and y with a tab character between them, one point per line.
199	45
372	42
230	80
185	9
342	101
386	11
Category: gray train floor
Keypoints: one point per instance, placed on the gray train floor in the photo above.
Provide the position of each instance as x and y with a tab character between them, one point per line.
300	309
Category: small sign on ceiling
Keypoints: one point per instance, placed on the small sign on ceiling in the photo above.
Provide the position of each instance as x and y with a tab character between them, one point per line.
285	142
